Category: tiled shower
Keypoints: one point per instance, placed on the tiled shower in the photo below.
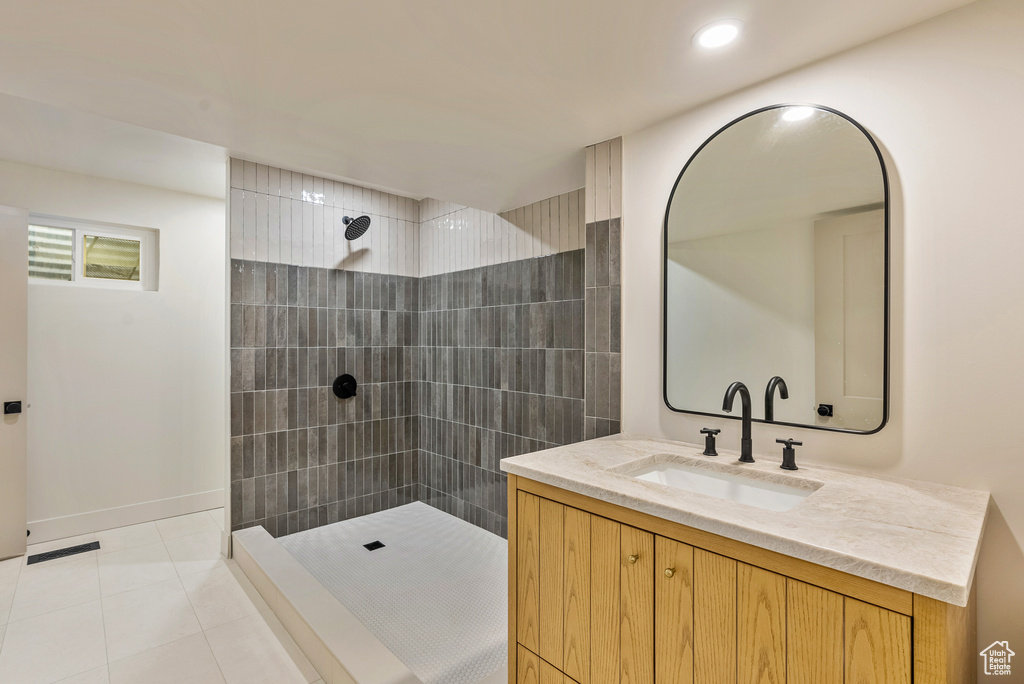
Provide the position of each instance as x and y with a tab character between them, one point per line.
473	336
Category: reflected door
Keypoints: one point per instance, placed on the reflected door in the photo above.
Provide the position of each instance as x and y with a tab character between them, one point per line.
13	377
849	315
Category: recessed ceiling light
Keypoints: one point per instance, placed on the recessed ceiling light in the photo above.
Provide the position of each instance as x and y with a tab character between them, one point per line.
718	34
797	113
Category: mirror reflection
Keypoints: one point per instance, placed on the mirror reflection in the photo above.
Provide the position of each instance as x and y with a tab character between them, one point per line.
775	248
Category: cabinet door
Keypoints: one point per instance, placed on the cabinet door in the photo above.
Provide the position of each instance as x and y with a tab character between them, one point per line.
552	581
533	670
637	622
541	578
583	606
527	667
760	625
814	634
576	595
528	571
604	600
714	618
621	603
878	646
673	612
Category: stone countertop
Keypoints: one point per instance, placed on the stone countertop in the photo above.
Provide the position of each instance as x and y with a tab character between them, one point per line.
918	536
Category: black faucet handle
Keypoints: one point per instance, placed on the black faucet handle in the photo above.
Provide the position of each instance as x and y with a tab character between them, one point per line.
789	453
709	441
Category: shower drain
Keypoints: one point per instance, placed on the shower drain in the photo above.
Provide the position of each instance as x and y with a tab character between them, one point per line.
374	545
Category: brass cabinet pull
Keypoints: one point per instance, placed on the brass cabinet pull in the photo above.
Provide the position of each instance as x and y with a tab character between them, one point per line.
669	572
633	559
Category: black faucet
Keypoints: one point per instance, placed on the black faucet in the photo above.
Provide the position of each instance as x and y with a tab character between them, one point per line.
769	397
746	443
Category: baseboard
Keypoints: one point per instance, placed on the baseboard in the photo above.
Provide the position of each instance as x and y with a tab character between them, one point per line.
108	518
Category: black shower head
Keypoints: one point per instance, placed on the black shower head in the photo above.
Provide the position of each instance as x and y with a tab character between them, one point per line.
356	226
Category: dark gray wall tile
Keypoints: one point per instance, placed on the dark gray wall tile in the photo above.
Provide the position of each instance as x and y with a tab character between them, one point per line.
456	372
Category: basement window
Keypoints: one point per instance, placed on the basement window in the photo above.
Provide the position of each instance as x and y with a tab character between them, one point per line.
69	252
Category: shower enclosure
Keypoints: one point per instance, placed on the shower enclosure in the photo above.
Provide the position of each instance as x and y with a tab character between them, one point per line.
471	336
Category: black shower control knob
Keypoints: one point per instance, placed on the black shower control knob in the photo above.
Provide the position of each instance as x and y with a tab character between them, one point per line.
825	410
345	386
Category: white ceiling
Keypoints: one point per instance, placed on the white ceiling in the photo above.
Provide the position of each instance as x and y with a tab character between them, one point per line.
479	102
69	140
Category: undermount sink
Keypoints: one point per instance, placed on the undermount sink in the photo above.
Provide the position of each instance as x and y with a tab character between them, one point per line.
770	496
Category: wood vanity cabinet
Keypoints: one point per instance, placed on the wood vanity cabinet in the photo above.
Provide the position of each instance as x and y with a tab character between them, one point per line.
600	594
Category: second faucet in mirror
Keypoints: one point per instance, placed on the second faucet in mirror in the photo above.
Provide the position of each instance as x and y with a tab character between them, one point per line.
769	397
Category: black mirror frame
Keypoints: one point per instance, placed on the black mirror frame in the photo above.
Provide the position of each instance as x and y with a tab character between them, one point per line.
664	277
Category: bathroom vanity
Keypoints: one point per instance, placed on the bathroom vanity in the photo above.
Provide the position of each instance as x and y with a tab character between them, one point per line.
632	559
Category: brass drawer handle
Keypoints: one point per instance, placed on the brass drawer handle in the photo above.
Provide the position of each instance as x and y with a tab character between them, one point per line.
633	559
669	572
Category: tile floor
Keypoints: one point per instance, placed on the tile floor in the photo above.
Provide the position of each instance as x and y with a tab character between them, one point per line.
156	604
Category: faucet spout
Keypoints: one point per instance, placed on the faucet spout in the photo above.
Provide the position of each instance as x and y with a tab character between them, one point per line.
746	443
769	397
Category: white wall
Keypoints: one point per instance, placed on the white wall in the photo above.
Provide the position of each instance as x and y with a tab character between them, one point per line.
945	99
126	388
743	308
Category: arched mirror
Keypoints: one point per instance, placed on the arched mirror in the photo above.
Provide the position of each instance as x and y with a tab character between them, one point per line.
776	265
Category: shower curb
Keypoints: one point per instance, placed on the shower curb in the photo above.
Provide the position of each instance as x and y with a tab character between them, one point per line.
339	646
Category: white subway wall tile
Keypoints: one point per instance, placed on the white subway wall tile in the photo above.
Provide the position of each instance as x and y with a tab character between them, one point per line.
396	254
286	183
235	222
235	173
318	236
307	227
544	209
274	227
263	179
590	185
249	176
286	229
602	181
414	228
581	220
376	242
384	252
615	180
249	225
340	246
262	221
274	176
328	192
328	234
296	229
281	216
